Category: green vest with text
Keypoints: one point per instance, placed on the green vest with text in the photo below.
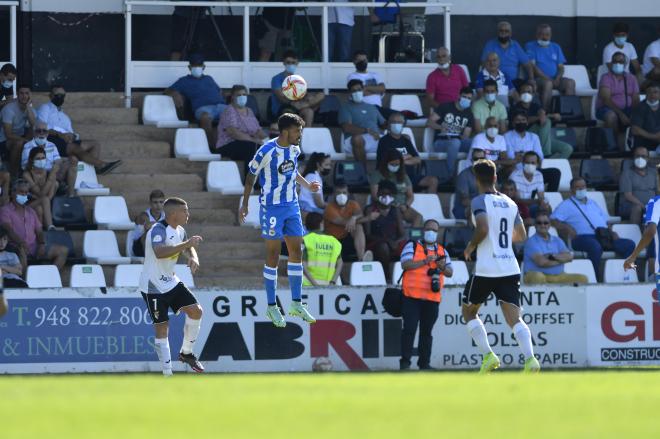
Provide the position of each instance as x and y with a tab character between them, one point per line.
322	253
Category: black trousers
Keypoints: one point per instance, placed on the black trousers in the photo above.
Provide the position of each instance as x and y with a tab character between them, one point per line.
422	313
239	150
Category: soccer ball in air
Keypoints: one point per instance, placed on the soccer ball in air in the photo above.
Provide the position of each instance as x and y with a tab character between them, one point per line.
294	87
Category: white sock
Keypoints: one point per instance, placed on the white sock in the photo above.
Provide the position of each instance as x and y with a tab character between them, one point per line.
524	338
163	351
478	333
190	332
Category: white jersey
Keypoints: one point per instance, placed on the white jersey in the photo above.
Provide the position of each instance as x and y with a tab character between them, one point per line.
653	216
158	275
495	257
139	228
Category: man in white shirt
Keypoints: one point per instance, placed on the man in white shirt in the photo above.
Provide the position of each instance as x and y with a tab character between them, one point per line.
373	85
620	43
529	183
490	141
651	66
340	32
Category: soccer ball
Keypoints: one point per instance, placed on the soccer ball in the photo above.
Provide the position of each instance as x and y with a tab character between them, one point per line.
294	87
322	364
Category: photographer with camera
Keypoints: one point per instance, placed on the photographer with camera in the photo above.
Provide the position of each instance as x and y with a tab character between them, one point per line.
425	266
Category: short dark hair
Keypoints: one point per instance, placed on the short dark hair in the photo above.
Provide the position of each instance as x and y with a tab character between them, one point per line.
517	113
620	27
55	85
485	171
466	90
175	201
238	87
288	120
8	68
531	153
33	153
156	193
354	82
340	184
653	85
488	82
289	54
313	221
19	182
3	233
387	185
24	85
431	220
575	180
360	52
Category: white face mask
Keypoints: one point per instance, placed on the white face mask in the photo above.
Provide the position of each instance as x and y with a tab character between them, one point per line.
444	66
341	199
652	104
620	41
581	194
526	97
492	132
529	168
617	68
386	199
41	141
7	83
490	97
357	96
543	43
393	168
40	164
396	128
640	162
197	71
430	236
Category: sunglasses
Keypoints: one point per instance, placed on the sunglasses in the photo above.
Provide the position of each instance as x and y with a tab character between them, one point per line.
40	131
543	223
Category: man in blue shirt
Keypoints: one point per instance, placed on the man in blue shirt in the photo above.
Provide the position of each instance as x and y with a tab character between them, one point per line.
204	94
577	219
511	54
548	61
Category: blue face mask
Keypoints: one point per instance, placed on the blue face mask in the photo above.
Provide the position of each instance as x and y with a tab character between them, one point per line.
620	41
543	43
197	72
21	199
241	101
357	96
396	128
490	97
41	141
617	68
290	68
464	103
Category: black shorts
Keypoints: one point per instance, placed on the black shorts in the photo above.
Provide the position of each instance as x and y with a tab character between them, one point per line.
175	299
506	289
60	143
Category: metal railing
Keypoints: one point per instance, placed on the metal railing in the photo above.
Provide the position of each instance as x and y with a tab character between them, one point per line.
320	75
12	5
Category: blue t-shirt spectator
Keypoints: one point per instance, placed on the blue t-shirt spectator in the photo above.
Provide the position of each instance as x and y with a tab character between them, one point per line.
567	212
547	59
536	244
511	57
276	84
199	91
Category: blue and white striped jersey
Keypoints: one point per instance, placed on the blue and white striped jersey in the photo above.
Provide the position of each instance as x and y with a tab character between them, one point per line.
277	168
653	216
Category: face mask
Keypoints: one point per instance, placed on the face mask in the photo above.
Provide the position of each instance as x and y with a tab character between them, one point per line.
620	41
521	127
529	168
197	71
241	101
652	104
341	199
325	172
396	128
21	199
385	200
543	43
640	162
526	97
361	66
7	83
393	168
464	103
40	141
581	194
444	66
57	100
357	96
617	68
40	164
490	97
476	159
503	39
492	132
430	236
290	68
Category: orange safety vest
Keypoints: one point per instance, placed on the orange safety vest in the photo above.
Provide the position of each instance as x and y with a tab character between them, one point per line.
417	282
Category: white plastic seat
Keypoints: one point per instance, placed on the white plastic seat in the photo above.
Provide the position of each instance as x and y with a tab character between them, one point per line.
87	183
129	248
252	218
602	69
43	276
127	275
159	110
465	69
87	276
463	165
599	198
319	140
553	199
581	77
581	266
429	136
367	274
397	271
614	272
409	103
100	247
629	231
460	275
184	274
112	213
428	205
566	173
452	203
224	177
192	144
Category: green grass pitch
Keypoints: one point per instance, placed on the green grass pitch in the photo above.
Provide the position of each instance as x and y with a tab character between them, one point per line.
578	404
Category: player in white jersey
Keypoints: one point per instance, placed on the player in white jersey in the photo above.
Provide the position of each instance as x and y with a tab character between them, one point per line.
497	225
161	288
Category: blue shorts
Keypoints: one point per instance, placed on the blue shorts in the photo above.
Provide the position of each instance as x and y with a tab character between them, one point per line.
213	110
280	221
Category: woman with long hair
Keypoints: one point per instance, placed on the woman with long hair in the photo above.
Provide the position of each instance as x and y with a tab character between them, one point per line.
43	184
317	166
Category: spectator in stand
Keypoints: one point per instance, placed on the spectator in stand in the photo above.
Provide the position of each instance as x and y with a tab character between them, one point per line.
444	84
322	262
489	106
453	123
509	189
372	83
577	219
25	230
145	220
343	219
620	43
60	132
512	56
340	32
651	66
306	106
618	94
7	77
278	23
392	168
545	256
492	71
360	122
43	184
65	169
637	185
385	233
645	120
317	166
548	62
394	140
16	116
10	265
204	94
529	183
490	141
466	186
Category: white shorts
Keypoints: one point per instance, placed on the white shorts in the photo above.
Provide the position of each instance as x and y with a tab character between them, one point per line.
370	144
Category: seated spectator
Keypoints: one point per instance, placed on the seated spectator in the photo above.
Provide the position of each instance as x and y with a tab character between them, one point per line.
384	230
577	219
10	265
65	169
545	256
491	70
392	169
548	62
204	94
25	230
43	184
620	43
637	185
453	123
466	186
540	123
645	119
306	106
509	189
145	220
489	106
444	84
60	132
618	94
360	122
490	141
651	66
343	219
7	77
394	140
317	166
529	183
512	56
322	262
372	83
16	117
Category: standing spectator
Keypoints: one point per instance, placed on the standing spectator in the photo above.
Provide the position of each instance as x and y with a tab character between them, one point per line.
343	219
529	183
340	32
394	140
43	184
637	185
372	83
10	265
618	94
16	117
577	219
651	66
512	56
509	189
392	169
489	106
645	119
360	122
444	84
545	256
453	123
322	262
204	94
548	62
146	219
620	43
490	141
466	186
7	77
278	23
60	132
317	166
491	70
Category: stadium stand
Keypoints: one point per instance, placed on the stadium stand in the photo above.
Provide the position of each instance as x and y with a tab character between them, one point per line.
460	275
191	144
127	275
184	273
614	272
317	139
252	218
112	213
159	110
599	198
100	247
581	77
397	271
367	274
224	177
564	167
43	276
87	276
87	184
581	266
428	205
409	103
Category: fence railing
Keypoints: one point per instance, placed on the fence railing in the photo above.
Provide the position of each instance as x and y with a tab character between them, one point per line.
11	5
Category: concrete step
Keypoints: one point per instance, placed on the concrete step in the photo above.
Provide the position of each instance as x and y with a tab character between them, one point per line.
85	99
125	132
170	183
102	115
223	233
162	166
140	198
127	149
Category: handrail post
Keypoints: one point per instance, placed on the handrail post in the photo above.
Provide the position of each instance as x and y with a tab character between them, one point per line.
128	62
247	72
447	26
325	72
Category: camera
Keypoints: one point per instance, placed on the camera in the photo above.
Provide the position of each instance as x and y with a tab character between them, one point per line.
434	274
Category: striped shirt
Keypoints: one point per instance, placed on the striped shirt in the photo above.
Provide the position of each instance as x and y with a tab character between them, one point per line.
526	187
277	168
653	216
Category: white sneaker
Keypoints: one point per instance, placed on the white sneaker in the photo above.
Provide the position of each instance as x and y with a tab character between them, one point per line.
368	256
